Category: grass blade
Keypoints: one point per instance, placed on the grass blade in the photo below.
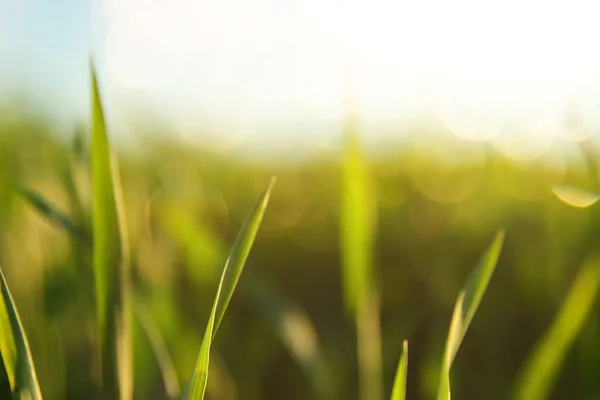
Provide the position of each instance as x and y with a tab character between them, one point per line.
50	211
15	349
159	347
465	308
111	264
231	273
538	375
357	226
289	322
357	241
399	391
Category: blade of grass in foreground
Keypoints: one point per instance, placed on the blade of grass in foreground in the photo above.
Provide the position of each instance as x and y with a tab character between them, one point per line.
111	267
15	349
231	273
465	308
399	391
539	374
284	316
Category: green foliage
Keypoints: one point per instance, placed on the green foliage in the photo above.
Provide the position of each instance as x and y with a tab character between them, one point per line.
357	220
159	347
111	263
357	214
196	386
14	347
284	316
50	211
466	306
399	390
424	234
539	373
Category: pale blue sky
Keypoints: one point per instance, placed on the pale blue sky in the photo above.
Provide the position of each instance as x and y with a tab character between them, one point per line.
44	48
269	68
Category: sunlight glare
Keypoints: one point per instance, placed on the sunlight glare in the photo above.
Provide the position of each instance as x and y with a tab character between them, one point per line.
528	139
477	65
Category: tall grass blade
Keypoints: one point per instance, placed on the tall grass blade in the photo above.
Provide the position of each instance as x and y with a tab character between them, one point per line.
14	347
538	376
234	265
289	322
357	226
399	390
111	264
465	308
159	347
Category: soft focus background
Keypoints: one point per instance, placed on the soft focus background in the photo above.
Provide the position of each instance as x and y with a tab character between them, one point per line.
473	116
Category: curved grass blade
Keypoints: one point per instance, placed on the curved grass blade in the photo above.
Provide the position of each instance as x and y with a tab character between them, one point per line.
465	308
234	265
50	211
538	375
290	323
159	347
111	264
399	391
14	347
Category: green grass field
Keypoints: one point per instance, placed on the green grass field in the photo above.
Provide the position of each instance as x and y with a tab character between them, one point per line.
116	276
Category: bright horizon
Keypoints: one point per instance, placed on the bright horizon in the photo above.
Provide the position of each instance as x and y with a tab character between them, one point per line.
264	69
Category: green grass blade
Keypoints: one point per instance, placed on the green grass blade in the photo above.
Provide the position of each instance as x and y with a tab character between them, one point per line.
15	349
289	322
239	253
111	264
231	273
541	369
50	211
159	347
399	391
465	308
196	386
357	224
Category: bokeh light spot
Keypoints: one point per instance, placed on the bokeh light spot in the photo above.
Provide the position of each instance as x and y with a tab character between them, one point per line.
576	197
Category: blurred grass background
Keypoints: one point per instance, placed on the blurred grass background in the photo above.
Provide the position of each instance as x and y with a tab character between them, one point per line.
439	201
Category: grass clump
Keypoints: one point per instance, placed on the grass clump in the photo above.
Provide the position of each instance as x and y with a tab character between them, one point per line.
117	286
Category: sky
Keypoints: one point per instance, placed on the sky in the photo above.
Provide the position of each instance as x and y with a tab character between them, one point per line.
272	68
44	48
